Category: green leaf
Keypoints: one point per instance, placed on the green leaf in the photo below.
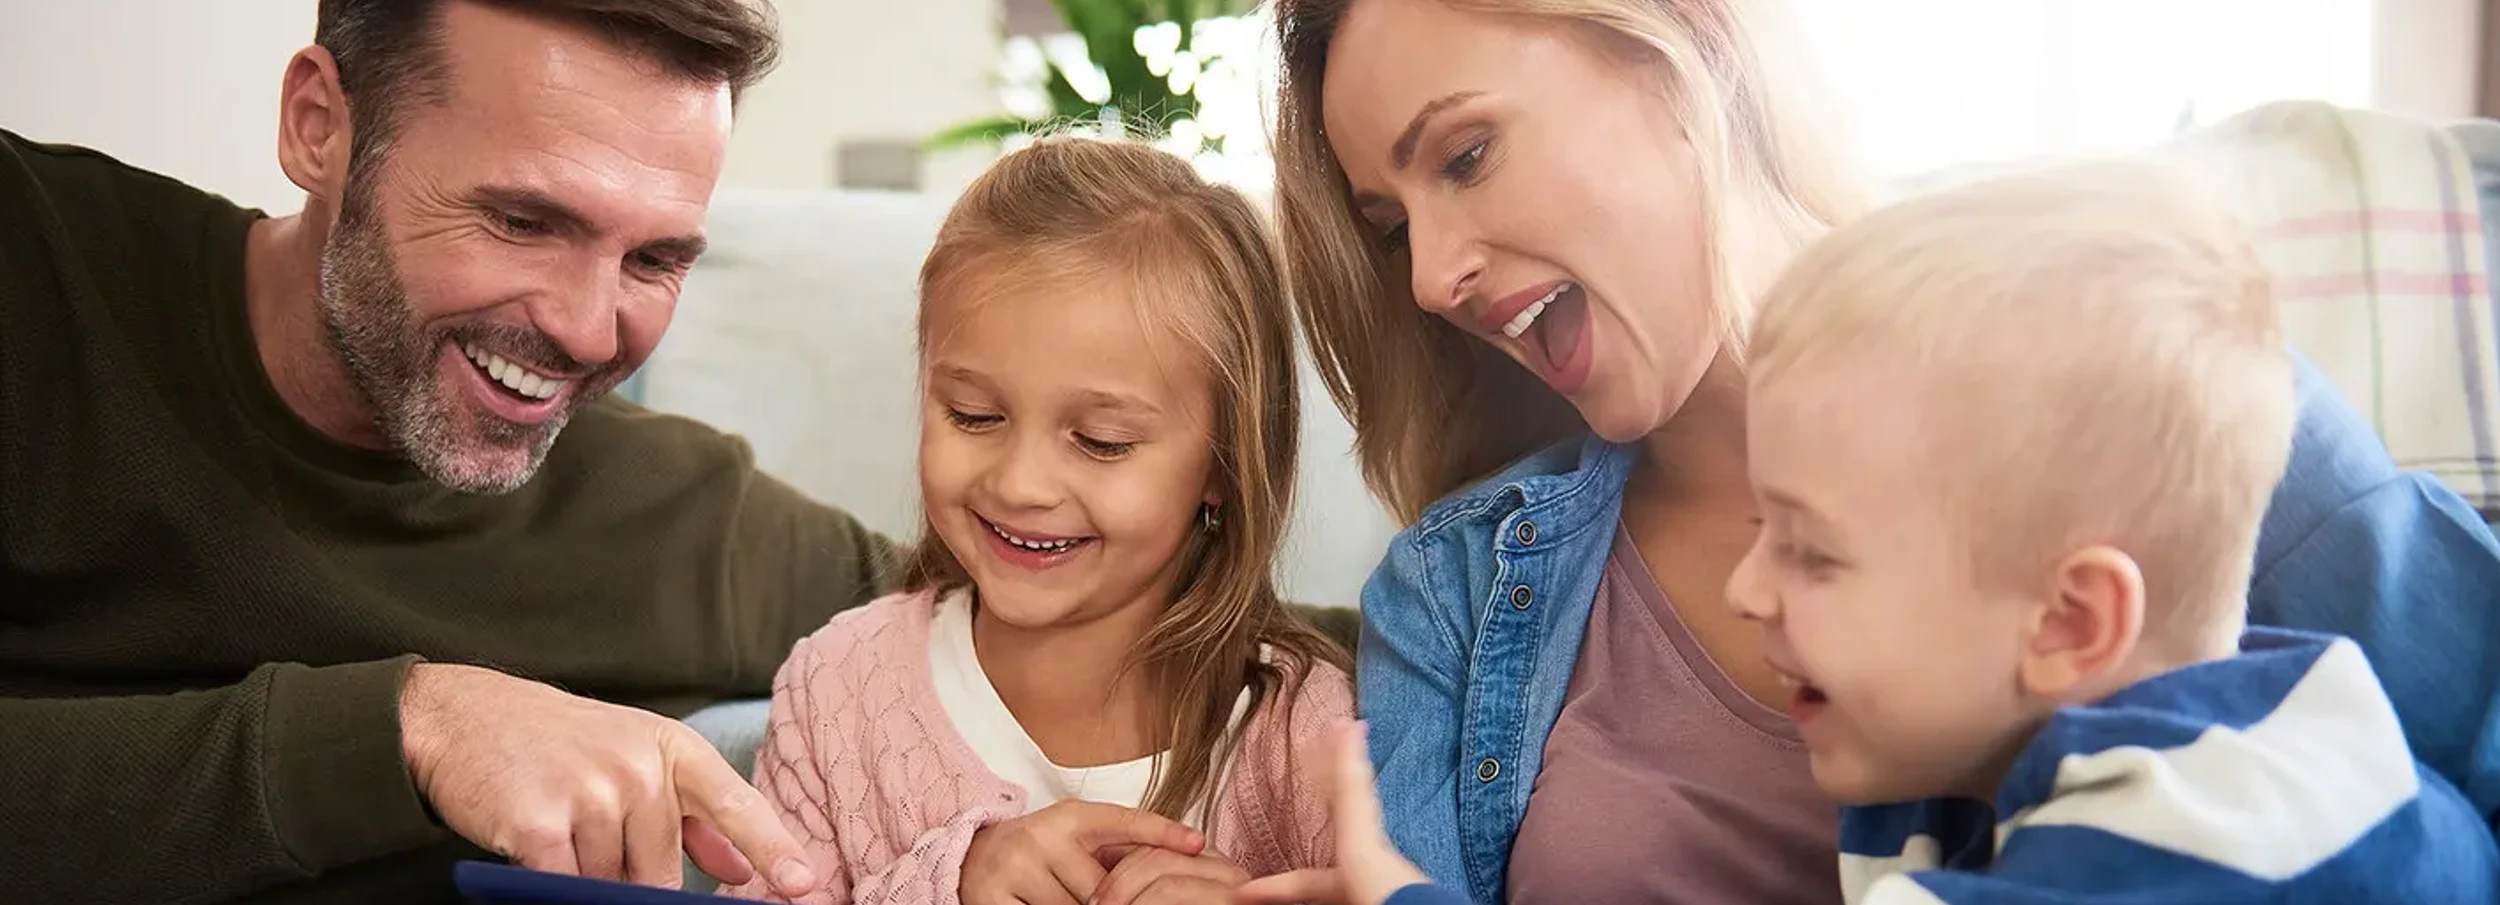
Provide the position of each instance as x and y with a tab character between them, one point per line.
987	130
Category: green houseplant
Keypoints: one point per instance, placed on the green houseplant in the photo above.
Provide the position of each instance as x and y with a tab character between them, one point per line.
1140	99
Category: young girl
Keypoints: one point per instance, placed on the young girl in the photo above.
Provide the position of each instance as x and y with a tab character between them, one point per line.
1106	466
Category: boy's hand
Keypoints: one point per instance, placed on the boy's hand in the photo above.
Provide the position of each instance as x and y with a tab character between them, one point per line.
1161	876
1049	857
1369	868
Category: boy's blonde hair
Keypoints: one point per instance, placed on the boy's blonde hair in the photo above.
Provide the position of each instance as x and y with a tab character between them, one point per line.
1434	408
1073	212
2094	355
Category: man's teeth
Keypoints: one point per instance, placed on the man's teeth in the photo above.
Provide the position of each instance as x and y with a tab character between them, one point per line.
1527	316
518	379
1034	545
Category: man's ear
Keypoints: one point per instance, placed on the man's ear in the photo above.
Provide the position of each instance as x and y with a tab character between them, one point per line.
2089	625
314	129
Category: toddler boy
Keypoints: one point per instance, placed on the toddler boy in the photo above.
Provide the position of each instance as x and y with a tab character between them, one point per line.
2012	443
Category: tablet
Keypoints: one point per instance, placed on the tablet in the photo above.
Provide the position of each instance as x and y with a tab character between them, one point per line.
484	883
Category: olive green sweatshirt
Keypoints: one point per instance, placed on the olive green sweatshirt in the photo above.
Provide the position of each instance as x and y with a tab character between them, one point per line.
207	608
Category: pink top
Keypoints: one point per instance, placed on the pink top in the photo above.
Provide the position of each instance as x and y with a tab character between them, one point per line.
1663	781
871	775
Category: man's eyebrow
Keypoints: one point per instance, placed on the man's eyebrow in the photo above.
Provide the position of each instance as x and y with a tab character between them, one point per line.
1403	152
681	248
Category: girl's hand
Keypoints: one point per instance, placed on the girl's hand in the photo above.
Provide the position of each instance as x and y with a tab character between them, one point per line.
1161	876
1049	857
1369	868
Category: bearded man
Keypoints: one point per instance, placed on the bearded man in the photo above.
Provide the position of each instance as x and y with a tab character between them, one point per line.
305	520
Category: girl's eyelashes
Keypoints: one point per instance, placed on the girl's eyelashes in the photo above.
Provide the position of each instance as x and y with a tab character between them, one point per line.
971	421
1394	238
1106	450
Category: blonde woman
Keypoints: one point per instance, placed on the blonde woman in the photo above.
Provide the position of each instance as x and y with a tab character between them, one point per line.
1524	238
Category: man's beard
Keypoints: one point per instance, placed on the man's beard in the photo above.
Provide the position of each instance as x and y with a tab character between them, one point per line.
371	324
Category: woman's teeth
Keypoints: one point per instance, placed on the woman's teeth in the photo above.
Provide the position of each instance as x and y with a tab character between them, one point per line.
514	377
1527	316
1033	545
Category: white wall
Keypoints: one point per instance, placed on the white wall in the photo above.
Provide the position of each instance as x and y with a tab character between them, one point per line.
872	69
184	88
2425	57
190	87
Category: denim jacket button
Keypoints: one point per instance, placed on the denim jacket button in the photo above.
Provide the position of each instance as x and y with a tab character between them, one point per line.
1521	596
1526	533
1487	769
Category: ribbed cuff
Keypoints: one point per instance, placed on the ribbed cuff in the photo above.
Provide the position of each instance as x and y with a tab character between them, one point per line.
337	777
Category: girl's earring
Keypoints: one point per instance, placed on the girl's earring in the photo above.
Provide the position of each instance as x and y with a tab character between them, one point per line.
1209	520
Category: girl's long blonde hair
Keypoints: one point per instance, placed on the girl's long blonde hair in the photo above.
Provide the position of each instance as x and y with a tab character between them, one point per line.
1433	408
1203	268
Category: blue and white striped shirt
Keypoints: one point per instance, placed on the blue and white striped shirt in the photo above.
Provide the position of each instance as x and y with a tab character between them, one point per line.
2279	775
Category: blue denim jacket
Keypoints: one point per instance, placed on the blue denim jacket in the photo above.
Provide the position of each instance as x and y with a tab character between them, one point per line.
1472	625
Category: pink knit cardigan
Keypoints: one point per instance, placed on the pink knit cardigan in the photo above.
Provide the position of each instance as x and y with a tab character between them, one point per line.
869	773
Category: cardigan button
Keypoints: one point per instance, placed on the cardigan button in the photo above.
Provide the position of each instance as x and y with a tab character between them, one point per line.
1526	533
1487	769
1521	596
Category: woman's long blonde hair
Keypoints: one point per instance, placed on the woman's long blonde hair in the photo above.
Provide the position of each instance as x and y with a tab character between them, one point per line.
1204	269
1433	408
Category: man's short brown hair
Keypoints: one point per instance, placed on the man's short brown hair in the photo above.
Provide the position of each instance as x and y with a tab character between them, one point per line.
390	55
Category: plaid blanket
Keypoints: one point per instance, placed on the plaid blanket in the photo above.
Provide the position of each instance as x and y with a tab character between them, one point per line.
2372	227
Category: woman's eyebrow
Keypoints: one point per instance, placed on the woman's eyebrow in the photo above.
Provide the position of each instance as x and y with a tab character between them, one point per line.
1403	152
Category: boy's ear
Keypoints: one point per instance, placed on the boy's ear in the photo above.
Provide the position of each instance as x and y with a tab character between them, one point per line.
2089	625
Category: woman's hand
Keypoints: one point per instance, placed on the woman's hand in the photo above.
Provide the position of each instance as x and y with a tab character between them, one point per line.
1161	876
1051	856
1369	868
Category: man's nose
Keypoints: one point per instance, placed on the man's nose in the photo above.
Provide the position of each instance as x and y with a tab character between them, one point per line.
582	316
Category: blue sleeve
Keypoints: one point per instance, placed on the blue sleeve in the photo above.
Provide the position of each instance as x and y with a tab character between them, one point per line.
1409	687
1427	894
2401	565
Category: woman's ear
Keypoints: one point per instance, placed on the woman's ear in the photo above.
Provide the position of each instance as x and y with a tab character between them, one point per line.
314	126
2089	626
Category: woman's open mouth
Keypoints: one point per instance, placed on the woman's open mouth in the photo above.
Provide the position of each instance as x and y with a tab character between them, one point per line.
1553	330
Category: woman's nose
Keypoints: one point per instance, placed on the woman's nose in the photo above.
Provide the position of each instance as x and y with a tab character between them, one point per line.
1448	264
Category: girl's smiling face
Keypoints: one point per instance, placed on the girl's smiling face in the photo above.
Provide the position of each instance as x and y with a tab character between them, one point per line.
1065	450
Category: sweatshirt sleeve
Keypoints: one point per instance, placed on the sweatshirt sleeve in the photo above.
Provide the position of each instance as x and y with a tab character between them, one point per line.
798	563
208	795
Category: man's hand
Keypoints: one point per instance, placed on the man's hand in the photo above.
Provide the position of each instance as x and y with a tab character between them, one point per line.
1052	856
1369	868
1160	876
571	785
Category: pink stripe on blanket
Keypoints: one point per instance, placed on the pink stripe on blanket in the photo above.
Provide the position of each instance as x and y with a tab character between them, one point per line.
2442	285
2406	219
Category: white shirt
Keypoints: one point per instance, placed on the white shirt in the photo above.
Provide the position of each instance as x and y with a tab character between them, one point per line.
972	704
